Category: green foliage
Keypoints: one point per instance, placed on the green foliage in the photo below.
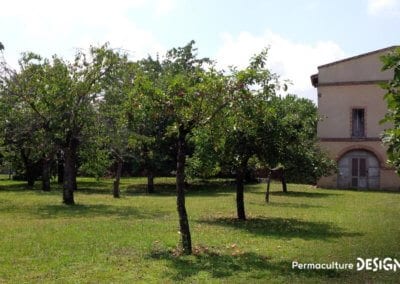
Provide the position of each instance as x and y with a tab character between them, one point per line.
391	136
251	90
180	92
261	126
113	128
205	162
294	144
193	91
149	119
95	157
24	98
122	110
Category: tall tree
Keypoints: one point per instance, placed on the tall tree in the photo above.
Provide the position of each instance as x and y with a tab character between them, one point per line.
85	76
149	120
114	111
191	92
26	123
252	88
63	96
290	148
300	155
392	135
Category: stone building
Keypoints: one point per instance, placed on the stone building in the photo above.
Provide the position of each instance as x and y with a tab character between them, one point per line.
351	105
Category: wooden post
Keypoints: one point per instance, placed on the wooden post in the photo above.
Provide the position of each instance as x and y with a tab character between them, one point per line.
268	186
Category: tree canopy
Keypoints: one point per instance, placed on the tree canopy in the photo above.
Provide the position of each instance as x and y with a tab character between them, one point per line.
176	113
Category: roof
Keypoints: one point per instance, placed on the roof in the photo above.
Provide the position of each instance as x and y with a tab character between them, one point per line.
315	80
360	55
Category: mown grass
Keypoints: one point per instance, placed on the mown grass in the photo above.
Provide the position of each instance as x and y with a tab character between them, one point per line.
134	238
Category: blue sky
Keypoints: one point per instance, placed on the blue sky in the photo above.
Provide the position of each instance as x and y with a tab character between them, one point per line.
301	34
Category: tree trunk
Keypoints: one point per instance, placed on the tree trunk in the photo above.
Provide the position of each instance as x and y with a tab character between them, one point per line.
46	167
29	169
60	168
69	185
116	191
30	173
180	196
150	182
30	176
284	186
268	186
240	193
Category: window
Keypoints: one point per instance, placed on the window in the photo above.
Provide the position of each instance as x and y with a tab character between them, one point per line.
357	122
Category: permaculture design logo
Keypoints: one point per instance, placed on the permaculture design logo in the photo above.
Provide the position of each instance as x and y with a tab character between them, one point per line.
368	264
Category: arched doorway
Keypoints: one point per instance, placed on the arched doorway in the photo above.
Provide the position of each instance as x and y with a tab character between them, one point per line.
358	169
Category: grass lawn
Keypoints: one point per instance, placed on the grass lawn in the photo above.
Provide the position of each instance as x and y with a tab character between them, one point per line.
134	238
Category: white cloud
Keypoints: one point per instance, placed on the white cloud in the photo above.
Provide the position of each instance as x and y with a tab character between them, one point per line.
49	27
164	7
289	59
376	7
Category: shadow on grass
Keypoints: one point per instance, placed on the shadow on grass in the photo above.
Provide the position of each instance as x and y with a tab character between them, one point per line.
283	228
18	186
192	189
221	265
97	210
160	189
287	205
304	194
84	186
89	187
105	187
371	190
55	188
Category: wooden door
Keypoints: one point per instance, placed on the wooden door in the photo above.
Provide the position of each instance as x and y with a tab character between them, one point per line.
359	172
358	169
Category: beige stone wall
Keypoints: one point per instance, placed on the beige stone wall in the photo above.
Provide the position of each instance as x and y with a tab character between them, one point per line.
328	182
335	104
363	68
389	179
336	149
